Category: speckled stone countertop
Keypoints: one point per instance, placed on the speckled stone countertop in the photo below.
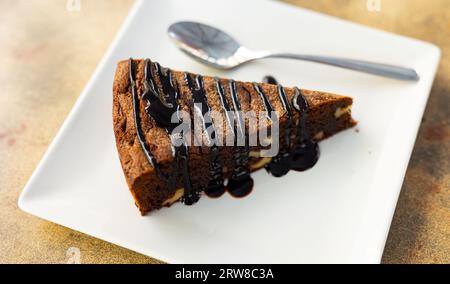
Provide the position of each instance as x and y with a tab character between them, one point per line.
48	53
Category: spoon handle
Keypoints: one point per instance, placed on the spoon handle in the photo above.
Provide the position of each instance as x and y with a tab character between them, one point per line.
379	69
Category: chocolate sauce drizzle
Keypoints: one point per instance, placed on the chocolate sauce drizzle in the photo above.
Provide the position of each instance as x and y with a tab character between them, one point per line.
267	105
161	105
137	118
304	154
215	186
241	183
306	151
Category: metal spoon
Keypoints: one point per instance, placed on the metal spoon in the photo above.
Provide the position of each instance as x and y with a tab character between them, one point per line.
218	49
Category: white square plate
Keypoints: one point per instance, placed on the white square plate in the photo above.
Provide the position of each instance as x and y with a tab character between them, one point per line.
338	212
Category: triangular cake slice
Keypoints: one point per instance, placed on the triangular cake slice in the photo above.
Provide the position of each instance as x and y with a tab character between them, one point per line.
181	136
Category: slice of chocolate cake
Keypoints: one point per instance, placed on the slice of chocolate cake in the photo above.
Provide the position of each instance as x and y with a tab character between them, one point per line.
181	135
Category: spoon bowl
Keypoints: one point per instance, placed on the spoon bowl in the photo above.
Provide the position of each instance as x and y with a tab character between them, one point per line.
208	44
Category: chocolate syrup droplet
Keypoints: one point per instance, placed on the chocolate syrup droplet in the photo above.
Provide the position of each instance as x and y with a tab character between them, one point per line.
215	191
240	186
280	165
190	198
270	80
305	156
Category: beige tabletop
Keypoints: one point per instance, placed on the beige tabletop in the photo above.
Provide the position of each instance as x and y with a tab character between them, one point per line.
48	52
